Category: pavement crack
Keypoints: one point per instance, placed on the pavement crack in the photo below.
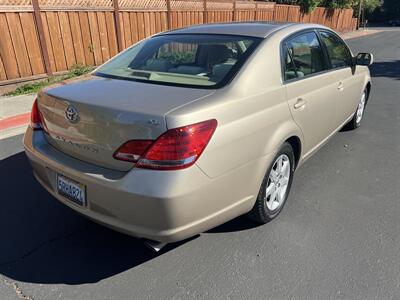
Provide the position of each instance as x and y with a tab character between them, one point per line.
17	289
40	246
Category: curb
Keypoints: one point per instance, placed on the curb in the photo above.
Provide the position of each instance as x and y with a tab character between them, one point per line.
12	132
14	125
15	121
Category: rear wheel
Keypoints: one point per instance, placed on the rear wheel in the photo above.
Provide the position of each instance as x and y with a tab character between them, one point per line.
355	122
275	186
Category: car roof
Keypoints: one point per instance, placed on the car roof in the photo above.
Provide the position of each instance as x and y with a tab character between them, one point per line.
253	29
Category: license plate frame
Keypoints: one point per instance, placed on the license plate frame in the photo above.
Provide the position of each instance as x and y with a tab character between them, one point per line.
71	189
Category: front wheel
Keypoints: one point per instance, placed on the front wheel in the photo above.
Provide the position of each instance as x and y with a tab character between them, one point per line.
355	122
275	186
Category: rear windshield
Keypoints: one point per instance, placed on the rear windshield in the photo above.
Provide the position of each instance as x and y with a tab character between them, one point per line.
203	61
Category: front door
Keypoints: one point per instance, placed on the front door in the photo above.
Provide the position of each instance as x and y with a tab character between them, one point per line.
348	84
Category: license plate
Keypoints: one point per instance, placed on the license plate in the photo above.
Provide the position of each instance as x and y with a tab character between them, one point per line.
72	190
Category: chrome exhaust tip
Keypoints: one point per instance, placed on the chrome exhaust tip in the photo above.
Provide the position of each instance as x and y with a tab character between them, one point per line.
154	245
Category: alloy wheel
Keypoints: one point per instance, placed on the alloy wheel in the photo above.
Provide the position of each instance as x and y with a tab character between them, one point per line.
277	184
360	108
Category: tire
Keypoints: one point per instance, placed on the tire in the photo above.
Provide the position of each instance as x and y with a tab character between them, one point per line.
355	122
264	209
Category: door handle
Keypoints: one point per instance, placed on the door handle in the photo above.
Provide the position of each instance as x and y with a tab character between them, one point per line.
340	86
300	104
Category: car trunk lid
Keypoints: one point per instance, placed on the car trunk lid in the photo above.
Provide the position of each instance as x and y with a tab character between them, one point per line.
90	119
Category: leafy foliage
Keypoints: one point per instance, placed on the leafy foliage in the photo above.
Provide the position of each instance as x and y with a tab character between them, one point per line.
306	5
179	57
310	5
77	70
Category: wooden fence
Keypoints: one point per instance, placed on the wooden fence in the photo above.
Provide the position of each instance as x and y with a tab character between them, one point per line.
39	38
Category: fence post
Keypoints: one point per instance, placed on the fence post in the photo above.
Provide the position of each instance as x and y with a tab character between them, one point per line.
273	12
234	11
169	25
204	11
42	39
117	25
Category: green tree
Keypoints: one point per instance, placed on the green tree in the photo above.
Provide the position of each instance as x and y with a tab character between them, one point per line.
306	5
369	5
338	3
310	5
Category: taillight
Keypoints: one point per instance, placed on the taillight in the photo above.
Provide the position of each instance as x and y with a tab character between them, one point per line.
36	118
132	150
177	148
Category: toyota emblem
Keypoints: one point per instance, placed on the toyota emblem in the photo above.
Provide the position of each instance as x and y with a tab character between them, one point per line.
71	114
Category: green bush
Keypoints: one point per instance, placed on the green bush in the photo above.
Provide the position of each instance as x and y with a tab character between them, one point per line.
76	70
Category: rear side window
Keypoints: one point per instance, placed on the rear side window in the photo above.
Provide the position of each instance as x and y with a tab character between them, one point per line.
304	56
290	69
339	53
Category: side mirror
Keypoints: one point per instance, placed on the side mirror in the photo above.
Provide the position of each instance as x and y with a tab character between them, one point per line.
364	59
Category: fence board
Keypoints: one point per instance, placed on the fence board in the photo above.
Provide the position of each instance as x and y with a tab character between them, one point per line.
48	41
7	50
140	22
101	21
86	38
111	33
17	38
66	36
56	41
127	29
281	12
94	33
32	43
76	37
3	75
293	14
147	29
265	15
134	26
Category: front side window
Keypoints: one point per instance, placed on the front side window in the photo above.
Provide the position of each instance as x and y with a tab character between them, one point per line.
304	56
339	54
182	60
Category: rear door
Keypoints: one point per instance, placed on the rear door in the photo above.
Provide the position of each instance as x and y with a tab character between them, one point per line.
310	88
348	84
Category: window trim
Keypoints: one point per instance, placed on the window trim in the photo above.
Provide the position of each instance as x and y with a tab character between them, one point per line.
327	52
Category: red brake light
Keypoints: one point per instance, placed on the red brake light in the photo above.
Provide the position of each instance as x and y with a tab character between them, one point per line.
36	118
177	148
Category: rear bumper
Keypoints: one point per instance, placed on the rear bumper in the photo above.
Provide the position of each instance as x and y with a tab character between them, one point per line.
164	206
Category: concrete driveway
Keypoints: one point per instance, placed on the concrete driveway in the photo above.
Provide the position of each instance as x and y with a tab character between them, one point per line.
337	238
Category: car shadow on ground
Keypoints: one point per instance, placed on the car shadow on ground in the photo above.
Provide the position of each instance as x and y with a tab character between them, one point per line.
42	241
238	224
389	69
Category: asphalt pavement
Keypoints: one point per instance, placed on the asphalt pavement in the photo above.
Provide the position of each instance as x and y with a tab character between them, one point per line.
337	238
